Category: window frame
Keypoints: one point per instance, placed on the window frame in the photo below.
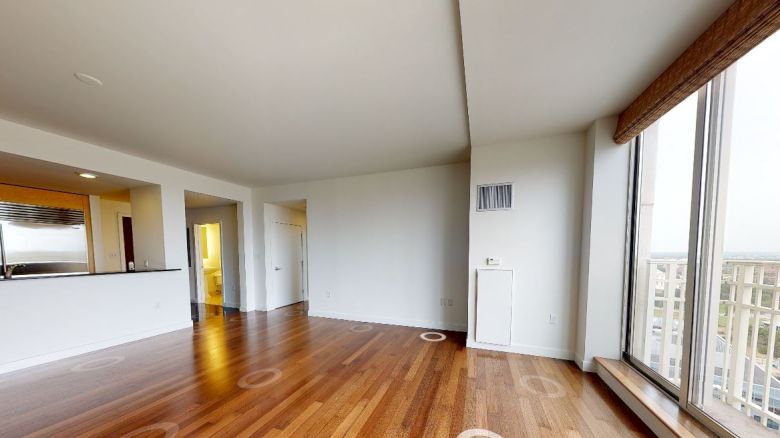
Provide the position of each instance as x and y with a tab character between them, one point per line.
712	110
719	110
635	173
630	279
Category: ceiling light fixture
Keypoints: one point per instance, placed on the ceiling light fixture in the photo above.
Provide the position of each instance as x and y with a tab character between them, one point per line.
86	175
88	80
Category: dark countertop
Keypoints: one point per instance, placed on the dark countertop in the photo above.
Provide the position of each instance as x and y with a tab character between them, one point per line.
86	274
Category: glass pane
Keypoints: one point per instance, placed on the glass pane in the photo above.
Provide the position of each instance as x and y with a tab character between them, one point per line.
663	221
739	362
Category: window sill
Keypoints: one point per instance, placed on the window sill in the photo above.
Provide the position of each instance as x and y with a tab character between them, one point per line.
653	406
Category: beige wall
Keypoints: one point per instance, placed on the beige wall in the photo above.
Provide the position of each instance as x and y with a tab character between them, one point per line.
388	247
539	239
110	230
212	254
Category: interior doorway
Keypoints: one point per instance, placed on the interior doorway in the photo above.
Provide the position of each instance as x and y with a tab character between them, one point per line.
126	252
286	249
208	263
213	242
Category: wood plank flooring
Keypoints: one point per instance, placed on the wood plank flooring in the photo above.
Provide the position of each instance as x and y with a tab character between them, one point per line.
282	373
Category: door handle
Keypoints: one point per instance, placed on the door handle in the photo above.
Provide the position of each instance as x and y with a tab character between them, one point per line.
277	269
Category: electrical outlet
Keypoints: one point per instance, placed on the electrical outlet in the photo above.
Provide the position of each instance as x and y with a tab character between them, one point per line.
328	294
553	319
449	302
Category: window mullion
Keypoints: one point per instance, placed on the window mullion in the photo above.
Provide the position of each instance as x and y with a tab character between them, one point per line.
695	238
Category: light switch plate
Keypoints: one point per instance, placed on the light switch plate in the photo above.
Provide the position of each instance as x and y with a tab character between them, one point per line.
493	261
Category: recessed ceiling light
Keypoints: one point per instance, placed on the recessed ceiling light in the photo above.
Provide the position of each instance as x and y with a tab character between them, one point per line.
89	80
86	175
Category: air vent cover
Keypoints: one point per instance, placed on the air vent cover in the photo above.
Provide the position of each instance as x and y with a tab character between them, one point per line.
42	215
495	197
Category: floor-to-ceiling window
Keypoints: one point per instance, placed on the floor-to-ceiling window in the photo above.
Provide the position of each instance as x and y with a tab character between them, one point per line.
705	262
665	171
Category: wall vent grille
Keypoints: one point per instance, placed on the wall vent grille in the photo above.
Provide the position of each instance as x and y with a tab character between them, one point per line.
42	215
495	197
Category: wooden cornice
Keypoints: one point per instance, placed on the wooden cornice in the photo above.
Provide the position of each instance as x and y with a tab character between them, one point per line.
743	26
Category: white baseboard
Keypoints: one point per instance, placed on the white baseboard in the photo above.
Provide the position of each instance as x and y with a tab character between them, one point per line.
88	348
438	325
531	350
585	365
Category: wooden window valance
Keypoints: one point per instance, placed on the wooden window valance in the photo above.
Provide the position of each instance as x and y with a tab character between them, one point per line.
744	25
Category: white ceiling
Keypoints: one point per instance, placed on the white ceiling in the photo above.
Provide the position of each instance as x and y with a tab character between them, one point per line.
535	68
258	92
291	90
29	172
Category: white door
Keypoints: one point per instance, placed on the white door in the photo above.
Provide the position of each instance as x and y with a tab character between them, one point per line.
196	271
286	262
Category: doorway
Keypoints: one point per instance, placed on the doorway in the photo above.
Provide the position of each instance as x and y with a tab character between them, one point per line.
214	236
126	253
207	239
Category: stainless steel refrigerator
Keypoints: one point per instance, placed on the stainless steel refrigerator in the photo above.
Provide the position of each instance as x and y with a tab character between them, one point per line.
41	241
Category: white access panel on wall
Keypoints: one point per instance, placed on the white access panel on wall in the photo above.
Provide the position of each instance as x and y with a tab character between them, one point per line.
494	306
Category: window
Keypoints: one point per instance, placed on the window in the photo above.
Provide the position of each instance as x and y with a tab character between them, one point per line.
704	267
665	174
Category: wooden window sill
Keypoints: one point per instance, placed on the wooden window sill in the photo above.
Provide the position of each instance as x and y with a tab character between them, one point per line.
661	413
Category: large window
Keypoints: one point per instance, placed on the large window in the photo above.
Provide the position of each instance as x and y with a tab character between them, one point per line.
704	312
665	172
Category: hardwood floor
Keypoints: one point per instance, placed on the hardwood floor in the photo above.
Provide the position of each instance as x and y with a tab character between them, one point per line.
203	311
282	373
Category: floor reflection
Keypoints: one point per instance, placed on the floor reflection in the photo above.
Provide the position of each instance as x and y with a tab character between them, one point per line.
202	312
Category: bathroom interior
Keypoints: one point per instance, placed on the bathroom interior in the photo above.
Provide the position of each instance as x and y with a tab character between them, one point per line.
211	253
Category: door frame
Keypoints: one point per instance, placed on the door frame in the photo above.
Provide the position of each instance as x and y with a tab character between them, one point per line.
197	263
304	262
121	231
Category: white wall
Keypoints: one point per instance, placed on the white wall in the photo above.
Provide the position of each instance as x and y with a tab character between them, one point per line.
148	228
226	216
384	247
51	318
539	239
275	213
22	140
110	211
96	222
600	309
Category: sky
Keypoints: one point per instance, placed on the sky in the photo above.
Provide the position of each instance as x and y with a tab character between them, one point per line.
753	193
